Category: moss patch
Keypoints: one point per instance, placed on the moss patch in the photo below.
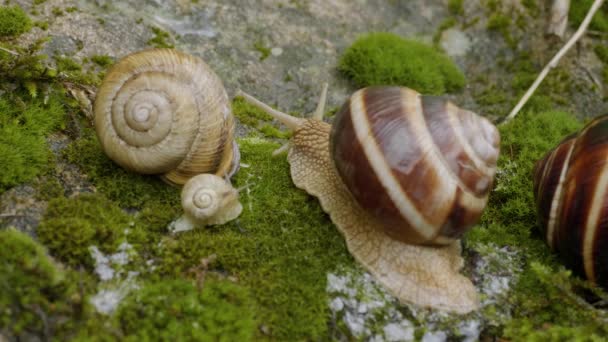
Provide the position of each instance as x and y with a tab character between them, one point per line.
71	226
387	59
252	116
179	310
578	11
24	153
548	303
160	38
126	189
36	296
13	21
281	248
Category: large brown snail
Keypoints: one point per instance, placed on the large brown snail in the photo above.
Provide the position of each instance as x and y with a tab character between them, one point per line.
398	172
164	112
571	191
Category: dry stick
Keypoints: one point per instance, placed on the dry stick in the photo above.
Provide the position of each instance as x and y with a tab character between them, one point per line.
9	51
553	63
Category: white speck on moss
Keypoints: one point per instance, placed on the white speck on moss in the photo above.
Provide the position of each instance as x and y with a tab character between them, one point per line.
107	268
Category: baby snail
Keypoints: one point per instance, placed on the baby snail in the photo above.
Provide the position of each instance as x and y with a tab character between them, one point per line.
402	176
165	112
207	199
571	192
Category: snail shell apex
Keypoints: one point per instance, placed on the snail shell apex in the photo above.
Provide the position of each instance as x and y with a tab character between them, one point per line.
161	111
571	192
421	165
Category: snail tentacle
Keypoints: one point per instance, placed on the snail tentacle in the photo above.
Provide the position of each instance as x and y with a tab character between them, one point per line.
318	113
288	120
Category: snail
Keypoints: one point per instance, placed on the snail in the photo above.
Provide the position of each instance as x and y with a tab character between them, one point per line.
207	199
571	193
402	176
161	111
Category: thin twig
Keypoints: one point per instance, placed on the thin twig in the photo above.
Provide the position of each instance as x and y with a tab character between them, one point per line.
597	4
14	53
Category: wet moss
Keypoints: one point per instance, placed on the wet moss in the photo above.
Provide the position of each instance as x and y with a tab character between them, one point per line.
24	152
13	21
71	226
377	59
179	310
37	297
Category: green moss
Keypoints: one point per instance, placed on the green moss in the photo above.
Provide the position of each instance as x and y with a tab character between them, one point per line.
103	61
262	49
455	7
546	300
248	114
71	226
126	189
280	248
446	24
510	217
160	38
578	11
178	310
24	153
13	21
602	53
36	296
379	59
502	23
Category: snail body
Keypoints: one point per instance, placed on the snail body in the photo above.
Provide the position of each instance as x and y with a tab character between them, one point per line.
571	192
207	199
164	112
379	229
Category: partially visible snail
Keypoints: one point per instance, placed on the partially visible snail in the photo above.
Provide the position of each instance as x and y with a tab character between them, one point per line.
165	112
207	199
398	172
571	191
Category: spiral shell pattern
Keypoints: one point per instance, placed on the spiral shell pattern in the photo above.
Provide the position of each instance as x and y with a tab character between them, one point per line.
571	192
164	112
419	164
209	199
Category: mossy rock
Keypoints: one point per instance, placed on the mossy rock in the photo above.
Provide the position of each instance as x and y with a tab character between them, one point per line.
178	310
24	152
71	226
36	295
13	21
387	59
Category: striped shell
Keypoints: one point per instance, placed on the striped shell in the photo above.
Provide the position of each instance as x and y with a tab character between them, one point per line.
421	165
571	191
164	112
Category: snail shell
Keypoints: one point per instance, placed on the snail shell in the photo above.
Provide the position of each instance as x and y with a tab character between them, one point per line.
164	112
207	199
422	166
571	192
392	152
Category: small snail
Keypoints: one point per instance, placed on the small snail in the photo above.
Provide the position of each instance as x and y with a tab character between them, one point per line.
207	199
164	112
398	172
571	192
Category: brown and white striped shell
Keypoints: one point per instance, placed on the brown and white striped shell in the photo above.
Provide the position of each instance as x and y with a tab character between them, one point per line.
422	169
571	192
420	164
165	112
